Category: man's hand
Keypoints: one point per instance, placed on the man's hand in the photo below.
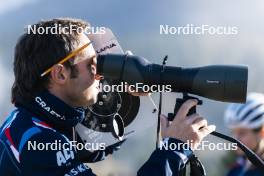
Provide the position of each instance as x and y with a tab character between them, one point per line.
192	128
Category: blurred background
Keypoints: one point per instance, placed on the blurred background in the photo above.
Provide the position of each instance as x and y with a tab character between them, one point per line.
136	25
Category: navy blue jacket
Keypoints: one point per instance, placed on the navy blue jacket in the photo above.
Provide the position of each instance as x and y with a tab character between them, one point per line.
47	119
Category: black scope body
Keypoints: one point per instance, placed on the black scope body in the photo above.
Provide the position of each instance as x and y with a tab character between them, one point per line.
226	83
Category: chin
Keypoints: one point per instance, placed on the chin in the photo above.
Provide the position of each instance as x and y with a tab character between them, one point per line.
90	101
93	101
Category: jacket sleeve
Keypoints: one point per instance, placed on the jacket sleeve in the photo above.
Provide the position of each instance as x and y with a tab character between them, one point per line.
98	155
168	160
40	157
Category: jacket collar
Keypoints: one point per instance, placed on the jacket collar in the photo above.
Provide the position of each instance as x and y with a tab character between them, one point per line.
54	111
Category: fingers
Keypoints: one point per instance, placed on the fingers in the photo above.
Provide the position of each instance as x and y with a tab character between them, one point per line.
199	123
192	118
164	124
207	130
184	109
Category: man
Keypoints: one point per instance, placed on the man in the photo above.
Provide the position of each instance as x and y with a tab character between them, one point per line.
247	124
48	92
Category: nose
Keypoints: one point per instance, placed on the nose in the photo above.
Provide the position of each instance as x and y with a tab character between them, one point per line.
98	77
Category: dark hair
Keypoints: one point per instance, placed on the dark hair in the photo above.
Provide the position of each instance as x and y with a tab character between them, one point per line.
35	52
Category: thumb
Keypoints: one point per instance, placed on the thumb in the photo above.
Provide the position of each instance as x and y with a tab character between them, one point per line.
164	123
207	130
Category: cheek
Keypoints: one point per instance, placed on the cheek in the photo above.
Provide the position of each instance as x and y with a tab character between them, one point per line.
85	84
89	80
79	85
85	78
249	140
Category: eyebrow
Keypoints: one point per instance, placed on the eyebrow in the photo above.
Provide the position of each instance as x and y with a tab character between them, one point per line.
72	54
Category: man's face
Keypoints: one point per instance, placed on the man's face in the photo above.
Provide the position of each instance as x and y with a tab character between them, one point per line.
247	137
83	90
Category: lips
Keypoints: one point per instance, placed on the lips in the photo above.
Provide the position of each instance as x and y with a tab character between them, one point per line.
97	87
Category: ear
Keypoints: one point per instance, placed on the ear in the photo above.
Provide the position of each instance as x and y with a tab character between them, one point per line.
59	74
